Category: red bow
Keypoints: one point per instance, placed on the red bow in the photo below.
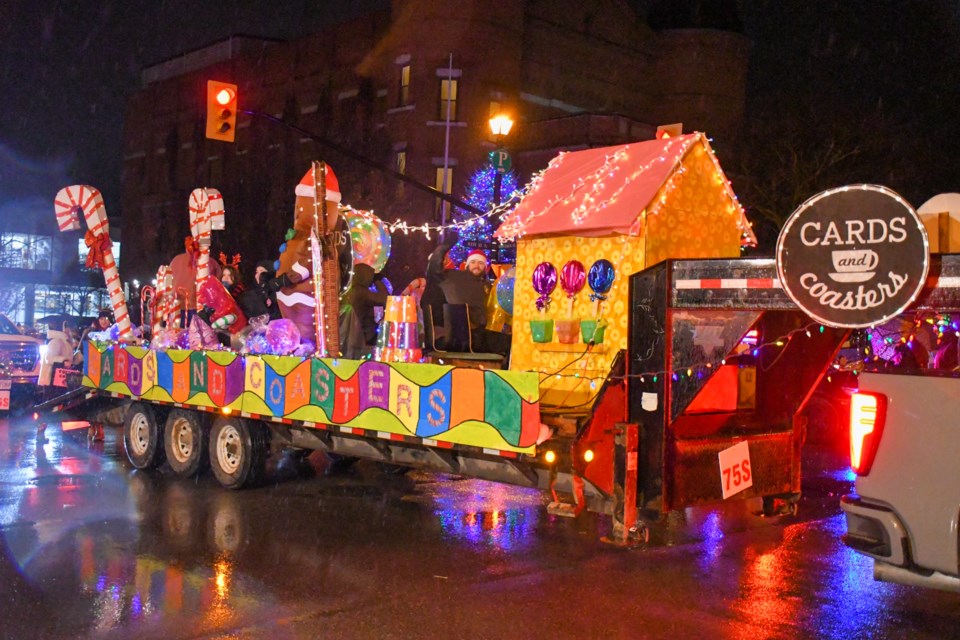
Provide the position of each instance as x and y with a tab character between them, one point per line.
99	246
193	249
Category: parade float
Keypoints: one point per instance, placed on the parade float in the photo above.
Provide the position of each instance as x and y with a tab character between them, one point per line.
628	376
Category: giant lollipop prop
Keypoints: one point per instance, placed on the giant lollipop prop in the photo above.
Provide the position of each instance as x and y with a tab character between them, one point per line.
572	278
83	199
544	282
206	216
600	280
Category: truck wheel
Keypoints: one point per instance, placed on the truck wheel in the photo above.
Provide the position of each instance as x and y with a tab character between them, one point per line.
238	452
185	443
143	437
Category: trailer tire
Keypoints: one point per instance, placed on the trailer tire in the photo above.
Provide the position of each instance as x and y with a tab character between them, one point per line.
143	436
238	452
185	442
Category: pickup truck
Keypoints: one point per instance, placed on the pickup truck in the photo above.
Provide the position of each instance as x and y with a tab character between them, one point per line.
905	440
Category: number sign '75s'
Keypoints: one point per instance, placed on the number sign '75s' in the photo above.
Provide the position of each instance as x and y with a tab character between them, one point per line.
735	472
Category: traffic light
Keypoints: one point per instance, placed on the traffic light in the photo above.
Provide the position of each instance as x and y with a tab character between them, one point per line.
221	111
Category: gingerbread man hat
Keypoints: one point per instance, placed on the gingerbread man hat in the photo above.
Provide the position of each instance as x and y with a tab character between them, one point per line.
306	188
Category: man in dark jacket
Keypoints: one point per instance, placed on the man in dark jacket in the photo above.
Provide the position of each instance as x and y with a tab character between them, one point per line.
260	299
362	301
433	297
467	286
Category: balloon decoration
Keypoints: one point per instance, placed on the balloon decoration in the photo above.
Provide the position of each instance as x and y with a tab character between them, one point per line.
572	278
282	336
544	282
505	289
600	280
371	239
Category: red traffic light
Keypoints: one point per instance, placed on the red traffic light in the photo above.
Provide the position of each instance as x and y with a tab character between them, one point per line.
221	111
225	96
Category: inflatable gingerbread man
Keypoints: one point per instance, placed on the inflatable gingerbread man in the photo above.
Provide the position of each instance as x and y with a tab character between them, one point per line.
298	298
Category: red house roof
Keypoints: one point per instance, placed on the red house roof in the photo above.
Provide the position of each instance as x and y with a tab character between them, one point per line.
598	191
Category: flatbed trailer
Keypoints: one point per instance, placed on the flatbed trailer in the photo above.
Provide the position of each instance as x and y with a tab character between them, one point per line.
718	357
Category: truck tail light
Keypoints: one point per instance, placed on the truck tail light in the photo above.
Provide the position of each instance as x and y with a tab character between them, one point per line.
868	411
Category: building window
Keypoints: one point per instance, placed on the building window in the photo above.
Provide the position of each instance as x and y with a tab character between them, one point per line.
448	96
25	251
404	85
443	187
402	162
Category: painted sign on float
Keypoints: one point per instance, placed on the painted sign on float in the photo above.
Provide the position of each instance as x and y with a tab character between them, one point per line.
853	257
481	408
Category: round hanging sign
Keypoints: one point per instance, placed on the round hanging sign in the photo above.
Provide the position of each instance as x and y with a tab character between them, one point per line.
854	256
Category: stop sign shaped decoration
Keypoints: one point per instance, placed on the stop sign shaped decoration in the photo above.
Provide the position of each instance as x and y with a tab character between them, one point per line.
854	256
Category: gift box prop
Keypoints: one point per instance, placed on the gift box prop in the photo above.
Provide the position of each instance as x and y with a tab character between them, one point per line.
72	202
590	220
399	337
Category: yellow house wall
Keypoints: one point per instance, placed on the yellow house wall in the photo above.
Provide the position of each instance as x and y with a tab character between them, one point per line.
696	220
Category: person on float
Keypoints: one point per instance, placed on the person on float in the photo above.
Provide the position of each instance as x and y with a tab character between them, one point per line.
470	286
432	298
363	301
230	275
259	298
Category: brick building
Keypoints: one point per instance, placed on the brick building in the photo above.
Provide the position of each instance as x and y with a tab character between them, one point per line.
570	74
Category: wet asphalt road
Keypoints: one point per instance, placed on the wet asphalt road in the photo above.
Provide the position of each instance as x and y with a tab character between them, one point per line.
90	548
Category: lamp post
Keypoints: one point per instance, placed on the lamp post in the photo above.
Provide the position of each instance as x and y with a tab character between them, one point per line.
500	126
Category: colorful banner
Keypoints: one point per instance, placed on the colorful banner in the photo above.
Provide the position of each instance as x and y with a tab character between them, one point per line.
481	408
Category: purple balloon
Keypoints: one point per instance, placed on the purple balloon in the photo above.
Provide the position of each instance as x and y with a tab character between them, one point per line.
544	282
544	278
572	277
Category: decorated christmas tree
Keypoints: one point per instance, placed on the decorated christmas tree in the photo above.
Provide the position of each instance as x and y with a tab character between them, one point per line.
478	234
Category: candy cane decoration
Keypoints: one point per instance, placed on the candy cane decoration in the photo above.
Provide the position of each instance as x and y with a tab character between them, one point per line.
206	215
69	204
148	302
161	299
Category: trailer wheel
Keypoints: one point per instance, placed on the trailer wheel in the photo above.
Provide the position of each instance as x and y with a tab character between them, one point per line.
143	437
185	443
238	452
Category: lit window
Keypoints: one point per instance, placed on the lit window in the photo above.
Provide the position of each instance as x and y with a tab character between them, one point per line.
404	85
402	162
444	186
448	98
25	251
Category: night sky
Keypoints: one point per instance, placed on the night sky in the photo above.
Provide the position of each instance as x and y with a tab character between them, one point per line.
879	77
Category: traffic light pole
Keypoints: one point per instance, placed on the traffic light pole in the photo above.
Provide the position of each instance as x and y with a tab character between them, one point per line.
366	161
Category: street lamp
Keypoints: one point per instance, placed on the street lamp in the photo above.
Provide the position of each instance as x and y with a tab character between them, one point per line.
500	126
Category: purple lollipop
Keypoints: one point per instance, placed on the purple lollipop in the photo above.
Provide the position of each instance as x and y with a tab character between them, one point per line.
544	282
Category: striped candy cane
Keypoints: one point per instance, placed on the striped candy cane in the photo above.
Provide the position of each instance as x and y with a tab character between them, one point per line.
160	299
83	199
206	215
